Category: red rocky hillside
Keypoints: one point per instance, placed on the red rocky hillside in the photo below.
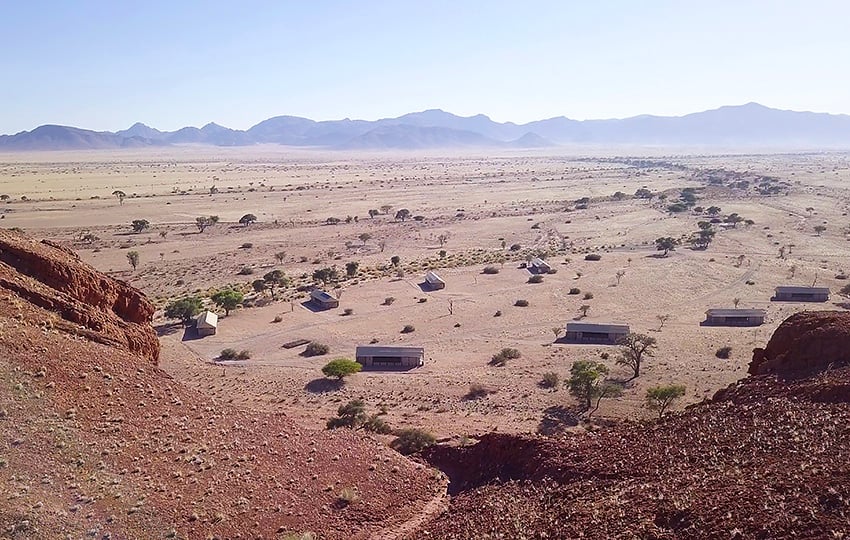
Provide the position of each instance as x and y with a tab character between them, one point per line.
767	458
97	442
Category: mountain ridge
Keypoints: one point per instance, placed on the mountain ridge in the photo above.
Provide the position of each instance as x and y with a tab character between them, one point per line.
750	124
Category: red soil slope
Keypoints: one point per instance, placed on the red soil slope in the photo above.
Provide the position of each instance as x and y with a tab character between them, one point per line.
766	458
97	442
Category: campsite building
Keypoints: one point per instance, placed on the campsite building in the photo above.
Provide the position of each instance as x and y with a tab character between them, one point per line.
323	299
538	266
389	357
206	323
601	333
433	281
734	317
801	294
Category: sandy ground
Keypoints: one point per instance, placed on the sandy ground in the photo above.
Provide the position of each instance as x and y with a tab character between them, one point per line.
477	202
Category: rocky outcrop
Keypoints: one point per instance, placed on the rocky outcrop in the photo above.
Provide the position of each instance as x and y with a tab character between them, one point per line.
85	302
805	343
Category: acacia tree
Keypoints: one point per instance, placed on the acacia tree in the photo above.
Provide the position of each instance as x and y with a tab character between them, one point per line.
275	278
227	299
341	368
619	275
373	213
133	258
120	195
661	320
586	377
819	229
140	225
659	398
280	256
184	309
442	238
402	214
203	222
633	348
385	209
666	244
350	415
247	219
364	237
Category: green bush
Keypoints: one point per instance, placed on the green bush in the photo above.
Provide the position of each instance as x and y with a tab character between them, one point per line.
341	368
412	440
501	358
228	354
550	380
521	303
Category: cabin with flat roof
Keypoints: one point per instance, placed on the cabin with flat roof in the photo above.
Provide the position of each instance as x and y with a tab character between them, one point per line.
206	323
323	299
801	294
538	266
389	357
734	317
599	333
433	281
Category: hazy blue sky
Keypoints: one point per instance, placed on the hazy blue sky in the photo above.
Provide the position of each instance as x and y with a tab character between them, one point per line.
106	64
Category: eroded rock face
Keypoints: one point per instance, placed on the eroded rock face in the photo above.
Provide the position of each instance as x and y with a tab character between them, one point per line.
805	343
85	301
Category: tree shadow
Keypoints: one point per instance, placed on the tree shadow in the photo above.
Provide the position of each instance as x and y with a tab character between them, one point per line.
323	385
167	329
557	419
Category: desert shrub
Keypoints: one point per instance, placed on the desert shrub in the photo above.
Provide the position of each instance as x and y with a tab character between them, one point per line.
408	328
550	380
423	300
376	424
521	303
604	356
593	257
412	440
244	354
575	290
348	311
552	271
477	391
516	247
490	270
501	358
277	319
246	271
314	348
350	415
724	352
588	296
347	496
498	313
247	245
536	278
389	300
228	354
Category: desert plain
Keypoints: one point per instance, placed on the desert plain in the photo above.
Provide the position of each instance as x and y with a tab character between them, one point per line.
468	211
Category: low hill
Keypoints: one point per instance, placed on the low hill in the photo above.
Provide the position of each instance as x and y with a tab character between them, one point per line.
766	458
406	137
50	137
99	443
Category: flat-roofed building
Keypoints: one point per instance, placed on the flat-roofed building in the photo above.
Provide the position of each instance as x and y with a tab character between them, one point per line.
433	281
590	332
734	317
206	323
390	356
323	299
789	293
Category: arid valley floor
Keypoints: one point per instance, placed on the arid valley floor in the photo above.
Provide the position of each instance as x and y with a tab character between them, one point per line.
477	205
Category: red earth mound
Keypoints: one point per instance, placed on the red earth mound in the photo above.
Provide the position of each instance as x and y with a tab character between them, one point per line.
766	458
97	442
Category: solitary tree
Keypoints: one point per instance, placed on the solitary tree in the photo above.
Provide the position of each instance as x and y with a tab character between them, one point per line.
586	377
203	222
633	348
351	268
736	301
402	214
661	320
227	299
184	309
247	219
140	225
666	244
326	275
584	309
280	256
275	278
373	213
442	238
364	237
133	258
4	197
619	275
819	229
733	219
395	260
120	195
713	210
659	398
385	209
606	389
259	286
341	368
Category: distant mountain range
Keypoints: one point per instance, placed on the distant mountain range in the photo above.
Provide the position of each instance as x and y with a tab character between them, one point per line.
750	125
